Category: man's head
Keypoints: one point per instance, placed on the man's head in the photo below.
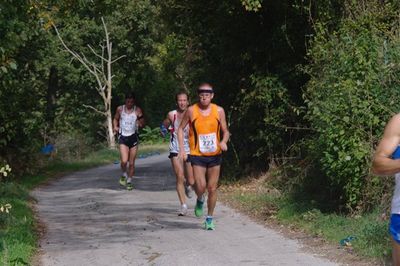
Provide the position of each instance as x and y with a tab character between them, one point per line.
182	100
206	94
129	100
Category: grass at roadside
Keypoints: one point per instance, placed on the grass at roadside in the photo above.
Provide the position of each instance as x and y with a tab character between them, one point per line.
370	232
18	236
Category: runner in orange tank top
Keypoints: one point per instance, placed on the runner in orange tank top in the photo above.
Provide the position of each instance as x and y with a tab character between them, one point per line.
207	121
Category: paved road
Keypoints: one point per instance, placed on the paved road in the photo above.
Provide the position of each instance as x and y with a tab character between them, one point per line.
90	220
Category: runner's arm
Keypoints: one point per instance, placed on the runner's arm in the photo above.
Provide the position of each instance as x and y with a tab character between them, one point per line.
224	129
165	124
116	119
382	163
183	124
140	117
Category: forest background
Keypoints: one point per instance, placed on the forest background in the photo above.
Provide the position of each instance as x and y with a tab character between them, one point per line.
307	85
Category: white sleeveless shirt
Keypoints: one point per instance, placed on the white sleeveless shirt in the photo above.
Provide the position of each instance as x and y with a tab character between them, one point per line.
127	122
173	143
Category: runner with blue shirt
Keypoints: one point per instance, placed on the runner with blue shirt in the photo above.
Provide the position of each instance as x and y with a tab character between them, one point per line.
386	162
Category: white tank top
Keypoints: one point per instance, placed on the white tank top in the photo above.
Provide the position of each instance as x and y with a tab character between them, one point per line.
173	143
396	195
127	122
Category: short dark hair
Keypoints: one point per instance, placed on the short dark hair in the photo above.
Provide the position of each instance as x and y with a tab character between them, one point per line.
130	95
180	93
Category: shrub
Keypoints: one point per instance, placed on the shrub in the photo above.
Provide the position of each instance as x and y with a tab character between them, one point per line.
353	90
260	117
150	135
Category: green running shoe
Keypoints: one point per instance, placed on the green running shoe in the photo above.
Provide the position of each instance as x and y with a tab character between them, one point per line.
129	186
209	224
198	209
122	181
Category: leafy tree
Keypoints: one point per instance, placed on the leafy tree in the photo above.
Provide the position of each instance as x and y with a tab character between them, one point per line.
21	85
352	92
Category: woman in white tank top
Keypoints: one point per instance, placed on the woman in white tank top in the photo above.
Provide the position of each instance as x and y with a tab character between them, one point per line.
183	170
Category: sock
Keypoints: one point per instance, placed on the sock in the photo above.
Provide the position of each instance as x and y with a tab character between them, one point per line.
199	201
129	180
184	205
209	218
125	175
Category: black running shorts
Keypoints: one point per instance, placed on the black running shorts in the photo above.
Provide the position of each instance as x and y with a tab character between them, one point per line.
174	154
130	141
205	161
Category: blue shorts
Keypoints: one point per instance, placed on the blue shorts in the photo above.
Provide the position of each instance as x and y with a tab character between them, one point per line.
394	227
205	161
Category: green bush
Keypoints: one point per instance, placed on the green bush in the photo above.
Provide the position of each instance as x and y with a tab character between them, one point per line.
150	135
260	118
353	90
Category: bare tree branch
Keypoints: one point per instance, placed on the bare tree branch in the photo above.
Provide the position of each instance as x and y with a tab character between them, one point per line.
95	109
96	54
115	60
179	76
102	74
73	53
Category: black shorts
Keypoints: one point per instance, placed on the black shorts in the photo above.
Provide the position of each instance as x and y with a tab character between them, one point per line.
130	141
205	161
174	154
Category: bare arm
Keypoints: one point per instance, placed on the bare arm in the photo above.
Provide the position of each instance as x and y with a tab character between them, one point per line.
117	116
168	120
224	129
382	163
166	123
140	117
185	120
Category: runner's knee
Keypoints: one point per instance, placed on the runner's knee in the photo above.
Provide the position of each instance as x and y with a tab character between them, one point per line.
211	189
201	190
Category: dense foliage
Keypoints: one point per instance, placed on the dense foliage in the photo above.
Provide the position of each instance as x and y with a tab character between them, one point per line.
352	93
305	84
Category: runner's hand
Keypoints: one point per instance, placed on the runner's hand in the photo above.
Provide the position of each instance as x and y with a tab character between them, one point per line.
116	129
223	146
183	156
163	130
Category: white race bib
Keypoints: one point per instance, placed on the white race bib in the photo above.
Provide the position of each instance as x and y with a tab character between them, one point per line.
128	125
208	143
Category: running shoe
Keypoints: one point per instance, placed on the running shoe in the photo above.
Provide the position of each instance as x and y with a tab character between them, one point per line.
183	210
209	224
129	186
122	181
189	191
198	209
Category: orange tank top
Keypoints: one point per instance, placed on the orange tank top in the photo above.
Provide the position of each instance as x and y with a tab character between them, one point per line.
204	133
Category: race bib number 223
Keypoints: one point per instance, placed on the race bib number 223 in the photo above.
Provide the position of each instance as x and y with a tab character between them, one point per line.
208	143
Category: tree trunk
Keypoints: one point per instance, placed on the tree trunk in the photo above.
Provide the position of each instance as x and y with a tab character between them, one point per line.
102	73
110	133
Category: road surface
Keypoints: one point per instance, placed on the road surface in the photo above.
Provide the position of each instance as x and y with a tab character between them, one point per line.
91	220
